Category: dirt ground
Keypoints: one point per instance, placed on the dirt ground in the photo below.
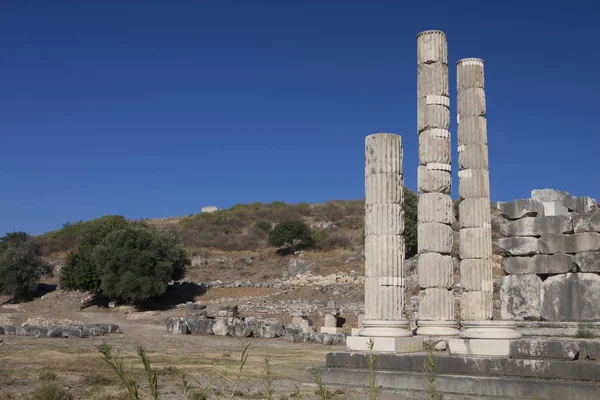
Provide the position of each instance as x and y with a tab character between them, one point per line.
26	361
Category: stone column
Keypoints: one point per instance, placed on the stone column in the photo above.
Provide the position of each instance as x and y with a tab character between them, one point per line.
435	212
384	243
474	208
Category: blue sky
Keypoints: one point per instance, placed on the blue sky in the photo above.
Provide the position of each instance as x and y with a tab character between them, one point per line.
157	108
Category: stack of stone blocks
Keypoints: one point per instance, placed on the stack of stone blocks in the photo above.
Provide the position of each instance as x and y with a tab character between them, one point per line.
551	257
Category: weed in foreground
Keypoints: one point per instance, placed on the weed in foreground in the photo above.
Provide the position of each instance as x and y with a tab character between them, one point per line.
51	391
322	392
430	375
48	376
371	362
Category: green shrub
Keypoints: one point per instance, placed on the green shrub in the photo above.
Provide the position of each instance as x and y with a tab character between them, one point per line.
20	268
290	233
410	222
51	391
48	376
79	271
265	226
136	263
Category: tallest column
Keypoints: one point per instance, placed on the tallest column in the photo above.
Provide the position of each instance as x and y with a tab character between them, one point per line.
435	212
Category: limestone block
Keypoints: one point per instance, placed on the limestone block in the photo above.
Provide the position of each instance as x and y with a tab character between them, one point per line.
434	238
536	226
521	208
544	348
578	242
384	256
469	73
473	183
518	246
330	321
520	296
551	195
433	181
539	264
471	102
473	156
383	298
435	207
472	130
479	347
384	219
571	297
434	147
219	328
588	261
384	188
432	115
385	344
435	270
552	208
432	79
475	243
476	274
583	204
436	304
476	306
383	154
200	325
432	47
175	325
589	222
474	212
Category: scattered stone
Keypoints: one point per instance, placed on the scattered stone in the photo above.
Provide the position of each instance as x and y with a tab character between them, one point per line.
112	304
571	297
520	297
521	208
579	242
536	226
177	326
440	346
518	246
540	264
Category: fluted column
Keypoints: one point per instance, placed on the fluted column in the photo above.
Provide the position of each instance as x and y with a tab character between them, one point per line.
384	243
474	209
435	211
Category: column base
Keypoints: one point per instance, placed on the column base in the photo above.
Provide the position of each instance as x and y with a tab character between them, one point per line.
437	328
379	328
489	330
385	344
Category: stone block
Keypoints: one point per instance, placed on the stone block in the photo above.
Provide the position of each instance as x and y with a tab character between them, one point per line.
551	195
432	48
435	207
432	115
471	102
385	344
479	347
476	306
298	267
518	246
476	274
200	325
537	226
475	242
539	264
474	212
578	242
383	298
432	79
434	147
571	297
588	261
383	154
331	330
239	328
384	219
384	188
436	304
472	130
219	327
435	270
473	183
433	181
545	348
434	238
521	208
589	222
330	321
553	208
384	255
177	325
272	328
520	297
583	204
195	309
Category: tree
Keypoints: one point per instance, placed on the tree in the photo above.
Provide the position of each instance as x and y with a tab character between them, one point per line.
20	268
291	232
136	263
79	271
410	222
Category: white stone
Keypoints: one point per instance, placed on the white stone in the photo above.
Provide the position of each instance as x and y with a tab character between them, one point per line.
471	102
433	180
385	328
434	147
434	238
518	246
479	347
473	156
384	188
383	154
431	116
475	242
384	219
385	344
520	297
435	270
432	47
476	305
554	208
331	330
473	183
330	321
384	256
469	73
435	207
384	298
476	274
472	130
489	330
432	79
436	304
437	328
474	212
